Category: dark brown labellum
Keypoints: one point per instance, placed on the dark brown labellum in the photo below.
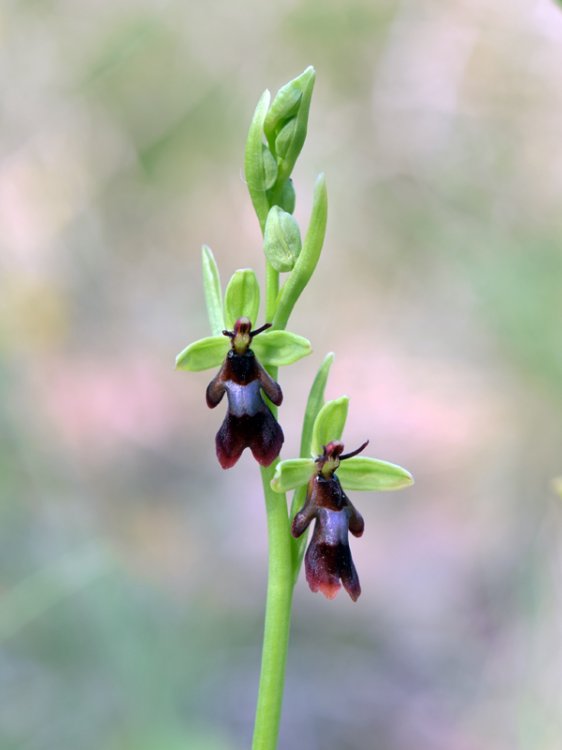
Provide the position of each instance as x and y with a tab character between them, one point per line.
248	423
328	557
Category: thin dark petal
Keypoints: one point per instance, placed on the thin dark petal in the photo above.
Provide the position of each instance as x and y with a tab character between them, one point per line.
356	522
266	438
215	389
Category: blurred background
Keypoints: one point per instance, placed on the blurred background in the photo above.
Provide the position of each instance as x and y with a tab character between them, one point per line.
132	568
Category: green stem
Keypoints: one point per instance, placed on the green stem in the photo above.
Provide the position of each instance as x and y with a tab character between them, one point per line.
277	618
271	291
280	584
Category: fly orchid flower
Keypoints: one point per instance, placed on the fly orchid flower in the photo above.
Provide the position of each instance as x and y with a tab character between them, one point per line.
249	422
328	557
328	562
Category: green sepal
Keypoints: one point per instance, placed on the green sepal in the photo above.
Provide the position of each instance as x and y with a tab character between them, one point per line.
255	171
291	142
212	289
277	348
292	473
242	297
203	354
362	473
287	198
283	108
269	168
282	239
285	138
329	424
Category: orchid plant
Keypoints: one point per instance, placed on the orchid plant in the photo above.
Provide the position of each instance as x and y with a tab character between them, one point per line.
248	359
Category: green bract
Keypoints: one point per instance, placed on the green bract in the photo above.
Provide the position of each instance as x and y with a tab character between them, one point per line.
308	258
258	174
314	403
329	424
242	297
282	239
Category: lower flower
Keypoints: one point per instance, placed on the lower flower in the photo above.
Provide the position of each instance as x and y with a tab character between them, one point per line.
328	557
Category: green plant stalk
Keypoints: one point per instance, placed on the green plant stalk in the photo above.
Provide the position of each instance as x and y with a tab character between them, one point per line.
279	585
281	577
277	618
271	291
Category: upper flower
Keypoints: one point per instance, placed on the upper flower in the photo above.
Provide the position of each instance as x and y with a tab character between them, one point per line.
241	302
249	423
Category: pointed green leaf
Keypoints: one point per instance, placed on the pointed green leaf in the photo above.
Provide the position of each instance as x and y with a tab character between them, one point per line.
242	297
212	289
203	354
279	348
256	172
315	403
308	258
282	239
361	473
292	473
329	424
